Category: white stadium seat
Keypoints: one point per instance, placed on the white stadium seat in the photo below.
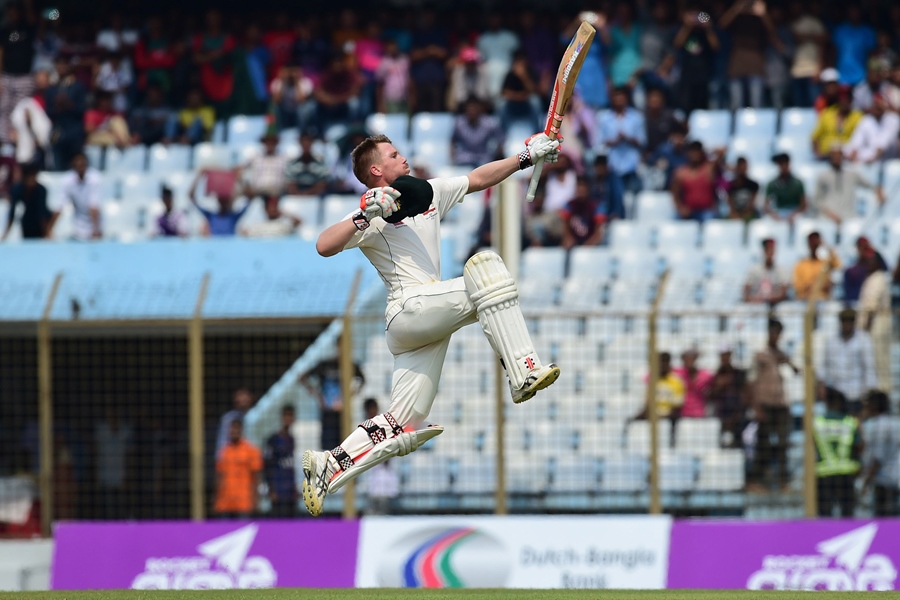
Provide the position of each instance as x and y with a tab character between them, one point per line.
697	435
337	207
624	473
797	147
655	207
798	122
712	127
244	129
759	123
591	262
677	235
632	235
676	472
133	158
216	156
165	159
637	436
547	264
434	127
754	149
722	470
395	126
721	234
761	229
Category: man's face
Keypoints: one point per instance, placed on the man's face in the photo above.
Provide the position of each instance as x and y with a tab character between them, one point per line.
774	335
235	431
847	326
725	359
582	191
601	170
243	400
306	143
287	419
272	208
875	76
740	168
167	202
769	252
473	110
393	165
689	359
665	365
836	158
695	156
784	168
79	165
813	242
270	144
831	88
618	101
655	101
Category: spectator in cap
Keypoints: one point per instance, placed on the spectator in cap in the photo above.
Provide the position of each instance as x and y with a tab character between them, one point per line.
857	273
848	361
835	125
874	316
831	89
810	36
875	139
171	223
785	195
875	84
836	188
853	41
807	270
767	282
468	79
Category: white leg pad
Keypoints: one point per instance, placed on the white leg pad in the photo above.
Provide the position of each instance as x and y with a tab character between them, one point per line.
496	298
399	445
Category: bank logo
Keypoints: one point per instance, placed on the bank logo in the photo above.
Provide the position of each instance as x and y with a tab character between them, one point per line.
223	564
842	563
440	557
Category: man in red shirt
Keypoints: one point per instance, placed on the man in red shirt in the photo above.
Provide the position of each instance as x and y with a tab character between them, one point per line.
238	470
694	185
582	218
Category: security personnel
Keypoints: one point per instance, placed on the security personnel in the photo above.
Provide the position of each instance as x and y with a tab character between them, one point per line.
838	449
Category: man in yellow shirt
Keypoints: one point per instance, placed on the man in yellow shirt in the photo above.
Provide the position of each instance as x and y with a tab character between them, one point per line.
807	269
195	120
669	391
835	126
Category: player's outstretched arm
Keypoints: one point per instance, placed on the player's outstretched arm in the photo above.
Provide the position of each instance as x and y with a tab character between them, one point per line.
332	240
536	147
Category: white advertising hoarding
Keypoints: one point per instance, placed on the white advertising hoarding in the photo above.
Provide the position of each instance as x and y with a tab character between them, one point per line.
515	552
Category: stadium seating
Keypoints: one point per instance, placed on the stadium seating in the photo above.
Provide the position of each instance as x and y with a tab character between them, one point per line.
798	122
755	123
242	129
712	127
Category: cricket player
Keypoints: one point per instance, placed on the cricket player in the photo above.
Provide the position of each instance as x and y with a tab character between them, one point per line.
398	230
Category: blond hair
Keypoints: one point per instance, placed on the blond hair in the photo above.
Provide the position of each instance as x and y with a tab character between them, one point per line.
365	155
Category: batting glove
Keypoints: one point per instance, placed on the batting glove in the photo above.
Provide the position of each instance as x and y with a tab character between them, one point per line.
539	146
379	202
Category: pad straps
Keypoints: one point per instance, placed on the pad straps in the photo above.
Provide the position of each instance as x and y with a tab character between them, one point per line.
377	432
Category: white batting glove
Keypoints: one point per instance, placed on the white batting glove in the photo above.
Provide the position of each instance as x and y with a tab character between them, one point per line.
541	146
379	202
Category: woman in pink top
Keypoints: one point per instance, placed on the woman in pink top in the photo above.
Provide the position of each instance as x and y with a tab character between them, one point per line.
696	384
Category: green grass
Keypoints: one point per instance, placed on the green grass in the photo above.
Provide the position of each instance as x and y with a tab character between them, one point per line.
393	594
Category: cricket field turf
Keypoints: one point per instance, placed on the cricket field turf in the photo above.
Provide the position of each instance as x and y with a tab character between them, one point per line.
422	594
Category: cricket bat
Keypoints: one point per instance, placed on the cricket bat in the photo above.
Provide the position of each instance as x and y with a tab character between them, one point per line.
568	71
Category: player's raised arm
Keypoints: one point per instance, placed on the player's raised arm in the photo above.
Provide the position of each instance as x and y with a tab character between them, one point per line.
537	147
379	202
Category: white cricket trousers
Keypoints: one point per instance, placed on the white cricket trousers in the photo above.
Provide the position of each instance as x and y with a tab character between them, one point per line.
418	336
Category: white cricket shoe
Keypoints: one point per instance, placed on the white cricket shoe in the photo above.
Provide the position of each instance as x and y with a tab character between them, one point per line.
317	471
537	379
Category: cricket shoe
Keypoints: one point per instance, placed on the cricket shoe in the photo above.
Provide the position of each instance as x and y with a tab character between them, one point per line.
317	471
537	379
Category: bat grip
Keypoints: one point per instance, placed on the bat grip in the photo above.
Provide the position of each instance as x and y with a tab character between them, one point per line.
535	177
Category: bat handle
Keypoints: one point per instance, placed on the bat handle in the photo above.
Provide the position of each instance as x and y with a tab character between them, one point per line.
535	177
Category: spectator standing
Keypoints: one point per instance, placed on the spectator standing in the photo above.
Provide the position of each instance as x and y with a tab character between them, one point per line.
875	84
113	439
31	127
392	77
831	89
875	138
657	57
171	223
694	185
224	222
497	45
848	362
291	92
809	39
623	131
606	189
252	60
771	411
155	58
477	137
838	449
519	97
727	397
114	76
881	457
624	41
668	157
279	41
559	183
468	79
81	187
37	220
836	189
875	315
583	218
264	175
17	48
697	382
323	382
742	192
307	174
239	467
697	44
154	121
785	196
66	101
659	119
116	37
856	274
213	52
242	402
853	41
337	93
276	224
382	483
196	120
669	395
427	69
751	30
767	282
592	80
807	270
835	126
540	48
281	476
311	49
778	57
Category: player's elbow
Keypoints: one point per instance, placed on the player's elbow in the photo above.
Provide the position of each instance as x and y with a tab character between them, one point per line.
324	248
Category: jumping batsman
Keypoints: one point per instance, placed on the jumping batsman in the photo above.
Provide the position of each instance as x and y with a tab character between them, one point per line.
398	230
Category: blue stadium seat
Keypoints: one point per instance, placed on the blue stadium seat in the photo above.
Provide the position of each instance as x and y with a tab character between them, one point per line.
165	159
212	155
243	129
754	149
591	262
798	122
624	473
721	234
434	154
891	182
434	127
677	235
137	186
547	264
95	157
799	148
676	472
395	126
712	127
755	123
655	207
337	207
685	263
133	158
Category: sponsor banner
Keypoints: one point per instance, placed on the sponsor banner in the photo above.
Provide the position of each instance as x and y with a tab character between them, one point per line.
516	552
788	555
219	555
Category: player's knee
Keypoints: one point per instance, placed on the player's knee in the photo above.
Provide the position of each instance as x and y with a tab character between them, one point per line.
488	281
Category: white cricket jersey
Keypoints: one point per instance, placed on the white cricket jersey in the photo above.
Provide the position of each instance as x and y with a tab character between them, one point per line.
408	254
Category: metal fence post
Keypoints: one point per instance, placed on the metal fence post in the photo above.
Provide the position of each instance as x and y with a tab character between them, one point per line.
195	404
652	380
45	410
347	371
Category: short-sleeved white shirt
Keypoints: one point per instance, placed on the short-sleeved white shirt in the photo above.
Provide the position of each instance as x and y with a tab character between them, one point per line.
84	194
408	253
